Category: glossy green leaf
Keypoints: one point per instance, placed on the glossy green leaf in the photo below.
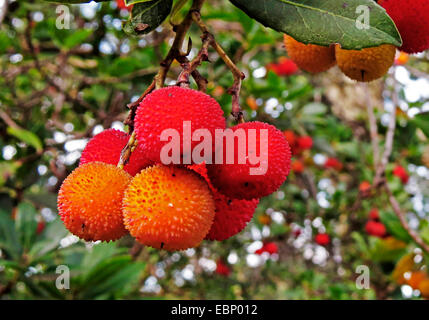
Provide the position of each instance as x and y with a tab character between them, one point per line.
26	136
147	16
325	22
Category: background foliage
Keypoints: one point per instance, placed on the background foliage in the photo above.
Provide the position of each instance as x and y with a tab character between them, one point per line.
60	87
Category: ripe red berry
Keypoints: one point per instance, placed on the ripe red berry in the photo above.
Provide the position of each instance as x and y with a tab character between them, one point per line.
222	269
297	166
365	187
121	5
247	180
107	146
305	142
373	214
401	173
412	20
231	215
40	227
285	67
269	247
334	164
172	108
375	228
90	201
322	239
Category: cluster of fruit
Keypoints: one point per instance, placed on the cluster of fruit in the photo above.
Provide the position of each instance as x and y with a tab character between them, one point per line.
408	273
172	206
412	20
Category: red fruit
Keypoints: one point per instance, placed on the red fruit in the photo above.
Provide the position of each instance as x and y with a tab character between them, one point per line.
90	201
269	247
322	239
40	227
222	269
364	187
167	109
107	146
334	164
297	166
249	181
401	173
373	214
412	20
231	215
290	137
297	233
375	228
285	67
305	142
121	5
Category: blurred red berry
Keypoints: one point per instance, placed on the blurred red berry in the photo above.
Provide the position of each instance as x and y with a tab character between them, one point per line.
401	173
375	228
121	5
297	166
373	214
290	137
285	67
222	269
40	227
334	164
365	187
269	247
322	239
305	142
297	233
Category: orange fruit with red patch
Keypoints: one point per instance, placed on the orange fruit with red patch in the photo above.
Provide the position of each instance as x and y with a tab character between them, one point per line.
89	201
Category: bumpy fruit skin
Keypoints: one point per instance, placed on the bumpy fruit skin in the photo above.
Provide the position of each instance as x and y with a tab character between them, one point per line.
168	108
231	215
168	208
310	57
89	201
367	64
412	20
107	146
236	181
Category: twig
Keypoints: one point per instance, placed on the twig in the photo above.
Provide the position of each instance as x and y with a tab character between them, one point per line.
238	76
190	67
159	79
372	125
397	209
389	142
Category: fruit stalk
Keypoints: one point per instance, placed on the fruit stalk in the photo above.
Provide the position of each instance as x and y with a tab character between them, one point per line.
234	91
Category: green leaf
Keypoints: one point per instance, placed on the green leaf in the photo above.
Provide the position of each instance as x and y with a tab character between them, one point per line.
421	121
325	22
76	38
26	136
8	237
75	1
147	16
393	226
26	224
52	235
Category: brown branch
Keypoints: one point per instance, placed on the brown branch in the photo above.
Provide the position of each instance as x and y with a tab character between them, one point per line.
191	67
389	142
159	79
238	76
397	209
372	125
